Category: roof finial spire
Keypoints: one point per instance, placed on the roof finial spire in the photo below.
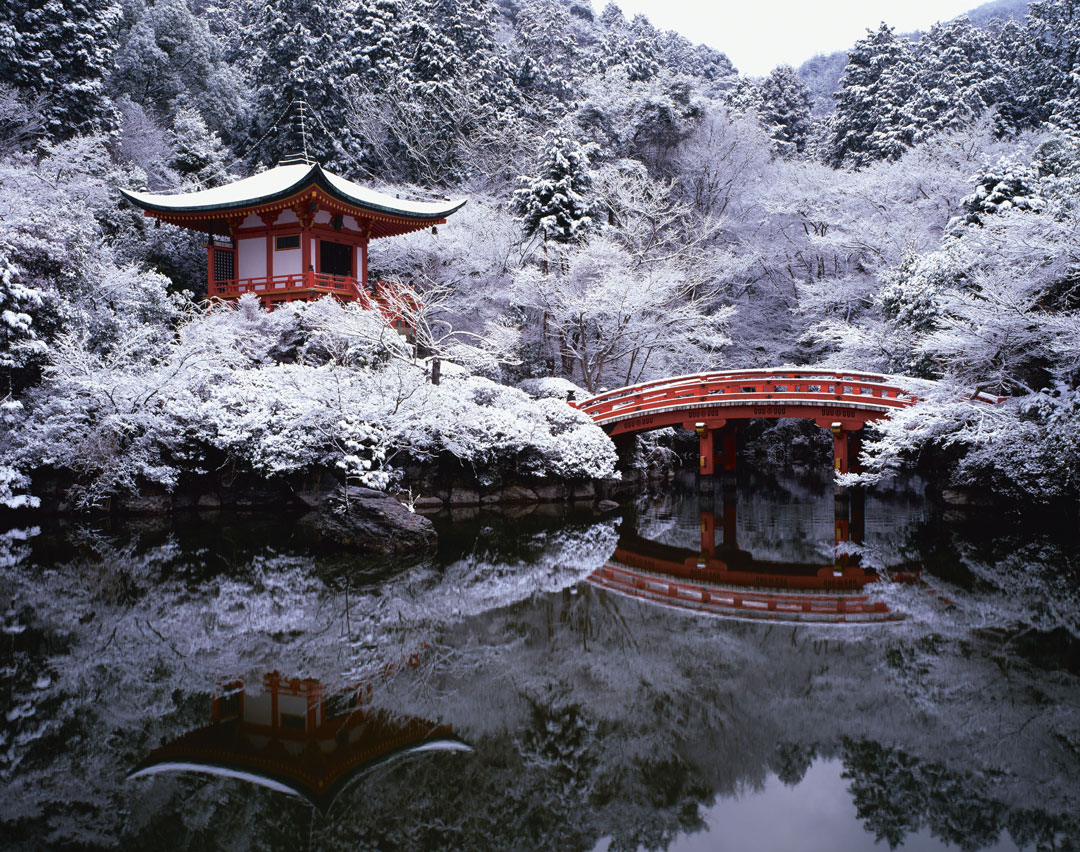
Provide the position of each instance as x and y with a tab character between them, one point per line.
300	124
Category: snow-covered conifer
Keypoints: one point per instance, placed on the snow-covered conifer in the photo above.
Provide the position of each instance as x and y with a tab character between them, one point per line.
61	50
556	202
874	118
785	110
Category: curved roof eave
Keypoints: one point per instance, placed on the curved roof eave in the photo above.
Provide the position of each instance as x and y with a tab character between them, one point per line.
283	182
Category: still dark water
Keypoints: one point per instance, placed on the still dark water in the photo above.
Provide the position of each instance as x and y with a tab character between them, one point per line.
765	667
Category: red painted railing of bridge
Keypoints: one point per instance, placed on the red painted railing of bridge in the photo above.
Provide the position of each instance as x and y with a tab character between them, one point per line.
740	603
871	394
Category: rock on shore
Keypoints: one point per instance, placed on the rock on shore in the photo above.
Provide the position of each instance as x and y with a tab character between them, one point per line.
371	521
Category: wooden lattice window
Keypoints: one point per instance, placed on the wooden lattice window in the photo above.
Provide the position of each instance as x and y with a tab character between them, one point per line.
224	265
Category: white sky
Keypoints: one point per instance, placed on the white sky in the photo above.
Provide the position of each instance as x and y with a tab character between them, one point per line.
758	35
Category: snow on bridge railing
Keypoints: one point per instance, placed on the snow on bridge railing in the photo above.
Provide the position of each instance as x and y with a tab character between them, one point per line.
789	385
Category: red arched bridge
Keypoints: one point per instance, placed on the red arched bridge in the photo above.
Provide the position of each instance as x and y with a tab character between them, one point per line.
712	404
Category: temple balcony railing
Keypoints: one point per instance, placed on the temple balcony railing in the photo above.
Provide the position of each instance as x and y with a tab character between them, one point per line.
395	301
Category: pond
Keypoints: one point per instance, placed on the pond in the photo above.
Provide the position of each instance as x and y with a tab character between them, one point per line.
763	665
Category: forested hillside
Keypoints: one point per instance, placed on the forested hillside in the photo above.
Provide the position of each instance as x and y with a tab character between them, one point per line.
636	209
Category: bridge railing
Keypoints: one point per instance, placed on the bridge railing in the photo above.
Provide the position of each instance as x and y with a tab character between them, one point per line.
781	385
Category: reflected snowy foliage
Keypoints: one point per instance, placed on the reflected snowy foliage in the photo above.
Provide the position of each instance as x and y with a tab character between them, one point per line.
590	715
123	644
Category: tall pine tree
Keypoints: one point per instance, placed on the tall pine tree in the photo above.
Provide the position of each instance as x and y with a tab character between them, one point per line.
61	50
555	203
874	118
291	56
785	110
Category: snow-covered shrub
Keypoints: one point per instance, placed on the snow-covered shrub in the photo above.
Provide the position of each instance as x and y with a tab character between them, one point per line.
553	387
1025	449
319	385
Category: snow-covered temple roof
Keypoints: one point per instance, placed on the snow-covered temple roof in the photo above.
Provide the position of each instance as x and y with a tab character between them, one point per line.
284	185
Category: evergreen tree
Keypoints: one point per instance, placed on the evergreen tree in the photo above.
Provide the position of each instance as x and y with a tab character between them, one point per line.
545	52
785	110
1007	185
958	77
466	23
873	118
61	49
375	28
1053	57
556	202
292	57
166	55
198	153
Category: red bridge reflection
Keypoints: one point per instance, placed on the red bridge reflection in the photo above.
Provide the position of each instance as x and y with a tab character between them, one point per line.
290	736
728	582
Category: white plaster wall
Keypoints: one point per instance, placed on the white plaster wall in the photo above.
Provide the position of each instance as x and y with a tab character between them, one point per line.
295	704
287	262
250	221
257	708
286	216
251	257
323	217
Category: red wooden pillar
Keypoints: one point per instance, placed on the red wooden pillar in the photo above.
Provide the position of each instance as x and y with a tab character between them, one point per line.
708	534
305	217
728	445
854	448
312	689
210	264
841	516
706	459
268	220
857	500
841	459
730	517
273	683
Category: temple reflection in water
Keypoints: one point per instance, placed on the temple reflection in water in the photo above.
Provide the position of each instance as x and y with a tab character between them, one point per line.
722	580
284	734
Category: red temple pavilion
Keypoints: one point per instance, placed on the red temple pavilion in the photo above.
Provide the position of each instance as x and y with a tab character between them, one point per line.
294	232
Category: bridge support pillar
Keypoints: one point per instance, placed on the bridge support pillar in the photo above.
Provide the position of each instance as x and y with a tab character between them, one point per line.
728	445
708	535
730	509
846	447
706	457
717	446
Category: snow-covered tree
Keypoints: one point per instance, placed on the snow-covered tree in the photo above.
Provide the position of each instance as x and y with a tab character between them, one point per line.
614	320
785	110
61	50
198	153
556	203
298	74
168	59
874	117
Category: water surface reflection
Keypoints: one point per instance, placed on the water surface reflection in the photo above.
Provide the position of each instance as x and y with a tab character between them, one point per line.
593	719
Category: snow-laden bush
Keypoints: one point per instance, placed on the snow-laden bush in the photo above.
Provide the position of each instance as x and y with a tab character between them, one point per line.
552	387
1026	449
320	384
